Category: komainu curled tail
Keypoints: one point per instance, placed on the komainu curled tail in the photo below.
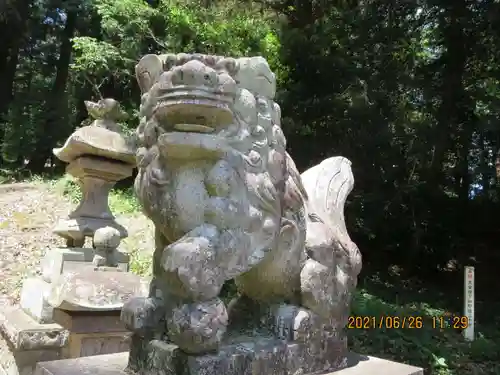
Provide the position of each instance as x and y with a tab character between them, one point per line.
334	261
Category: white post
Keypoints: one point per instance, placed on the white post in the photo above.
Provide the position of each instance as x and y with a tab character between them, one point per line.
469	302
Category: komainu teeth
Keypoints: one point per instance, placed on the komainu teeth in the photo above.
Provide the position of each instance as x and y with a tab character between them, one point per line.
195	128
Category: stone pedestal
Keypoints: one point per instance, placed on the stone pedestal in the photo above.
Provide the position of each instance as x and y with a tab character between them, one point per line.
88	304
24	342
243	356
36	331
260	339
73	315
114	364
93	333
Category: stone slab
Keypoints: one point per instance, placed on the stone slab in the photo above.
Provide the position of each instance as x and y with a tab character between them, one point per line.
89	321
53	261
23	362
104	344
92	290
358	364
34	294
94	140
24	333
70	266
60	260
108	364
115	364
86	345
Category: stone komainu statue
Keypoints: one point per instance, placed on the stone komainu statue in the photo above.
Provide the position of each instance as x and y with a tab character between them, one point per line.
228	203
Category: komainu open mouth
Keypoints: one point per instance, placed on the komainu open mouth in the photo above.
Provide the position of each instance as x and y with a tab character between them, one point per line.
194	110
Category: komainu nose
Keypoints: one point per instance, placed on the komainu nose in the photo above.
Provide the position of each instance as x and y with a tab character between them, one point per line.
194	73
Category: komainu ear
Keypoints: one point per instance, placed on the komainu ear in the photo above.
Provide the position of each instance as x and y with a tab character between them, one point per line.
255	75
148	70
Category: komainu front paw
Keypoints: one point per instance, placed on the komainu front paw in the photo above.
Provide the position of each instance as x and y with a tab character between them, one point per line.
193	260
198	327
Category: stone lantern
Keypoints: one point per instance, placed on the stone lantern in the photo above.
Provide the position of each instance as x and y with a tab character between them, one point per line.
73	308
98	156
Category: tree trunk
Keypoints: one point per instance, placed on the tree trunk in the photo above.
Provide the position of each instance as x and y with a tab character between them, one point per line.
13	29
53	127
450	115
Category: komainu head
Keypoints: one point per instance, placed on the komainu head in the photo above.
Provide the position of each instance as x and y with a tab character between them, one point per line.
203	106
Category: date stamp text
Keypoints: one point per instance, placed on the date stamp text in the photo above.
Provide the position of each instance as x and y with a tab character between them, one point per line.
407	322
385	322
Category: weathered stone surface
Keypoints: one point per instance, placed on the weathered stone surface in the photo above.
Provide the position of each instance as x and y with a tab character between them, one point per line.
98	141
106	112
93	333
90	290
65	260
106	241
329	276
114	364
98	156
96	177
16	359
74	230
143	315
155	356
89	322
106	238
24	333
90	344
198	327
23	362
246	355
54	260
104	344
228	202
110	364
34	294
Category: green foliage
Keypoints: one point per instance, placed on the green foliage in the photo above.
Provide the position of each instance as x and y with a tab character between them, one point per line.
140	264
68	187
440	351
92	55
120	201
123	201
129	26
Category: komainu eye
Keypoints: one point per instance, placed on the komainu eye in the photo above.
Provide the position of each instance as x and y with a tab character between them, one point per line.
228	64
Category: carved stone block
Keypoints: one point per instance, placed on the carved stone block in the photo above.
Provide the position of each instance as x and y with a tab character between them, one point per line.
93	333
24	333
24	342
245	356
